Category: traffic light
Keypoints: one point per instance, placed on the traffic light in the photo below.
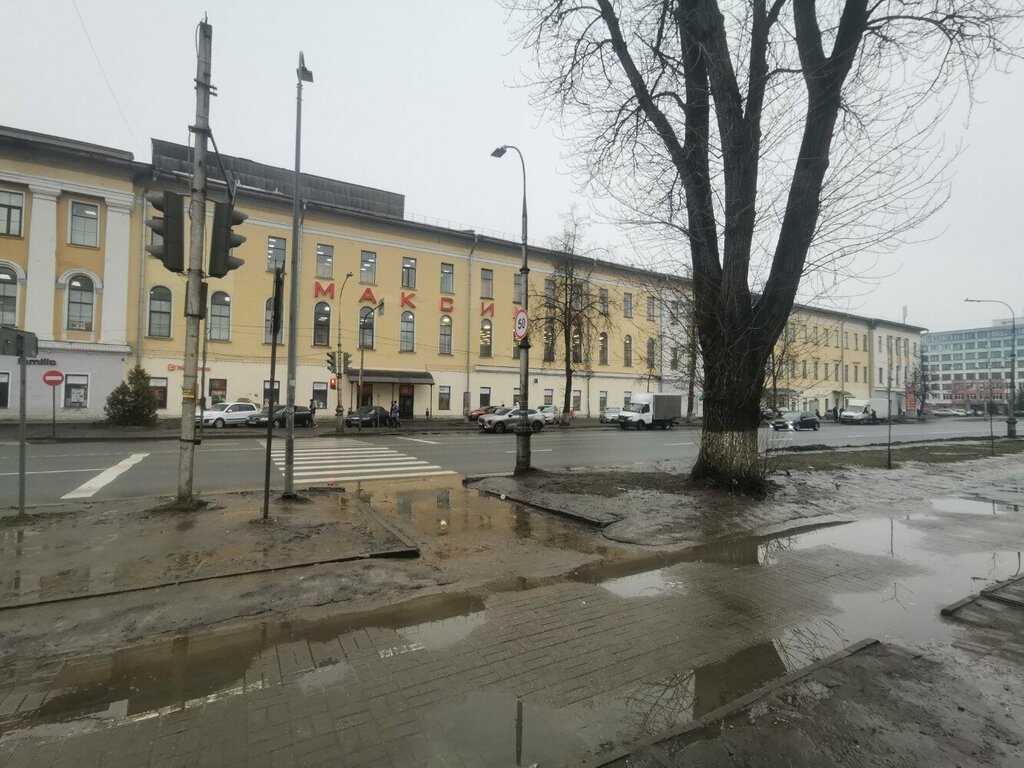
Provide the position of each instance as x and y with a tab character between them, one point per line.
346	359
332	362
171	228
223	239
334	383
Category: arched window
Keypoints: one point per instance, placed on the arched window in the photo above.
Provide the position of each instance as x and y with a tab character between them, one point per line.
220	316
268	321
602	342
549	343
407	333
577	345
486	338
366	321
160	312
627	351
444	339
322	324
81	295
8	297
650	354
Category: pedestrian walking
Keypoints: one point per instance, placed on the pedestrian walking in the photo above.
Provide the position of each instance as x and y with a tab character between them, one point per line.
312	413
394	415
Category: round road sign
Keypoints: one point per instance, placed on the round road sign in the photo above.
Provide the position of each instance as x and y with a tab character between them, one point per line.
53	378
521	323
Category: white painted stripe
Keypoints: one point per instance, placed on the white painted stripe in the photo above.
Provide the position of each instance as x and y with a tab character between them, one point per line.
416	440
51	471
105	477
365	462
669	444
365	471
410	476
337	452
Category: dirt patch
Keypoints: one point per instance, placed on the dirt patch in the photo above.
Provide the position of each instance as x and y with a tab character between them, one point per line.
877	458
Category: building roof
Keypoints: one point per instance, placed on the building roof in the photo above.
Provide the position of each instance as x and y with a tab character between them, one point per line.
17	138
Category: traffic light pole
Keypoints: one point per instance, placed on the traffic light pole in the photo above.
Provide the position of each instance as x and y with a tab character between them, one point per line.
193	302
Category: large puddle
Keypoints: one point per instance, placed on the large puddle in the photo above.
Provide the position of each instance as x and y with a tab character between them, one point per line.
548	670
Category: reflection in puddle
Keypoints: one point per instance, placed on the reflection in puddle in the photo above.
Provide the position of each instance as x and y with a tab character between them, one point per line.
974	506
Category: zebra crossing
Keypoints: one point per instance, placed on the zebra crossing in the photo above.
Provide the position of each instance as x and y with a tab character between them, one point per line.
349	460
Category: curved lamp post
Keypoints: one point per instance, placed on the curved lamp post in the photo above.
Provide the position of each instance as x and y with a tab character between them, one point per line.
523	431
339	410
1011	397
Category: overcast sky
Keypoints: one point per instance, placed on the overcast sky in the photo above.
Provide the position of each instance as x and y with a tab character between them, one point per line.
412	96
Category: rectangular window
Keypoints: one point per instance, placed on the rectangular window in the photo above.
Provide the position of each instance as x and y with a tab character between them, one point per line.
266	393
805	334
602	296
627	305
856	341
626	397
219	322
218	391
275	253
803	369
320	395
846	373
846	339
485	396
825	341
856	373
158	389
549	293
325	261
368	267
486	283
76	390
879	344
837	339
576	297
577	400
815	371
444	398
880	379
835	372
815	334
517	288
914	347
675	359
85	224
650	307
602	400
408	272
12	207
5	390
549	396
864	342
515	395
447	278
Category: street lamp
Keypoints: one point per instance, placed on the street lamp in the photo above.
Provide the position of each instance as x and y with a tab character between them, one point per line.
302	75
523	431
339	411
1011	421
362	348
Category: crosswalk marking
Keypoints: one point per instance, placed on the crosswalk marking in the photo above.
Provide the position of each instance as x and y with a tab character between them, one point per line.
350	460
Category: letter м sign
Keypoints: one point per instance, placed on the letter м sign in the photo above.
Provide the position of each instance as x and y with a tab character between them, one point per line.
319	290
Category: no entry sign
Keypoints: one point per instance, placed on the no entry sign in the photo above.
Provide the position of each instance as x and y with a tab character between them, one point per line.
53	378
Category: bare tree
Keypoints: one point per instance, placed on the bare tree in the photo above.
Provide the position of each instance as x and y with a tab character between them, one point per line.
572	308
774	135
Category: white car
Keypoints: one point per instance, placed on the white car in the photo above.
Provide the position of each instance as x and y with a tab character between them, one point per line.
549	413
227	415
505	419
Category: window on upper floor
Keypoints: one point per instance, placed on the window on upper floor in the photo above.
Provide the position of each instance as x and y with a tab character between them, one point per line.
408	272
160	312
650	307
602	349
627	351
651	351
12	211
549	293
486	338
322	324
444	339
268	323
447	278
8	296
407	332
549	343
275	253
368	267
627	305
325	261
220	317
366	327
577	345
602	297
486	283
85	224
81	296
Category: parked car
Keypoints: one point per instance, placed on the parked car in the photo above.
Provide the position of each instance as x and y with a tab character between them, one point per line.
795	420
369	416
474	415
505	419
227	415
549	413
610	416
303	418
944	412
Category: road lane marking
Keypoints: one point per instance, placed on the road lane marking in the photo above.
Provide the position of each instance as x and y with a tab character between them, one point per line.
670	444
51	471
415	440
105	477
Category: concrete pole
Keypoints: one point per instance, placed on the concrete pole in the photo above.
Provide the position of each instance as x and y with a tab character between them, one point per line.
339	409
524	432
193	290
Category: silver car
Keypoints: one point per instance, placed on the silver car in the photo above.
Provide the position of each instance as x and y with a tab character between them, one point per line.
227	415
505	419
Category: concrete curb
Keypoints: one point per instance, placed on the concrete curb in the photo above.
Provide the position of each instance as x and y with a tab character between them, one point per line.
724	712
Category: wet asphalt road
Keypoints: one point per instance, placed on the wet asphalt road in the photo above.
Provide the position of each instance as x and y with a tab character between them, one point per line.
235	461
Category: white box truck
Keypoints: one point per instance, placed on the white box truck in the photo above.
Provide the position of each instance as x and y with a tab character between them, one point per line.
870	411
649	410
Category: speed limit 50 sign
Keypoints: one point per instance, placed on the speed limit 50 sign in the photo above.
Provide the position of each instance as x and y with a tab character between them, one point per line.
521	324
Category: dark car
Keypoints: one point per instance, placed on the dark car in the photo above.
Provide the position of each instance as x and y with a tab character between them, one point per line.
368	416
794	420
303	418
474	415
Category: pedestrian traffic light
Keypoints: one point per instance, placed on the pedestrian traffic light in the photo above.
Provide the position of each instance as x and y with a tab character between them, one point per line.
171	229
334	383
332	362
223	239
346	359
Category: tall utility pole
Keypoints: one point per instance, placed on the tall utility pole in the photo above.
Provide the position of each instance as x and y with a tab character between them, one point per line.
193	289
1011	420
339	410
302	75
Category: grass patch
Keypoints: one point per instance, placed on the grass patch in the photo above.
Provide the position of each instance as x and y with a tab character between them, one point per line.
944	453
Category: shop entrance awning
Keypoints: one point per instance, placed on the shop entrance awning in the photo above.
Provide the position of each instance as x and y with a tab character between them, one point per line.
380	376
